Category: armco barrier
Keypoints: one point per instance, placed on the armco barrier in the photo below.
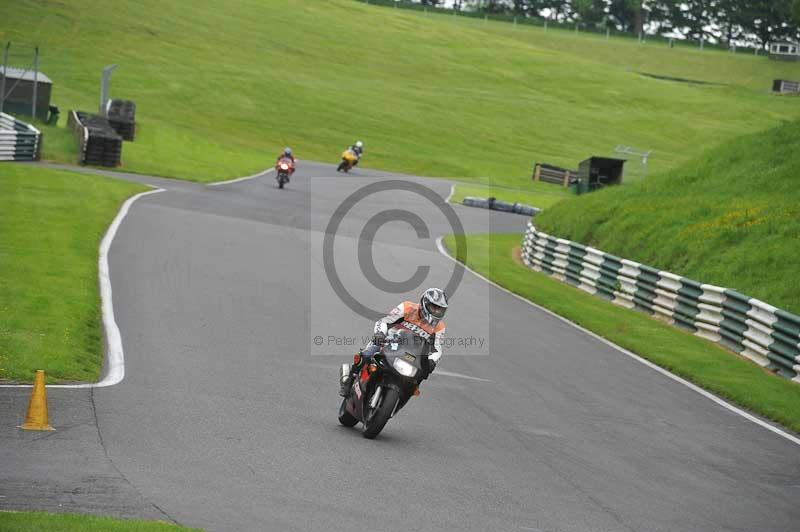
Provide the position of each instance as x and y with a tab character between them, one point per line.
766	335
19	141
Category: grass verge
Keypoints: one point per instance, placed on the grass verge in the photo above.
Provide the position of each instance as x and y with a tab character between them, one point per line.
38	521
219	92
541	195
693	358
51	224
729	218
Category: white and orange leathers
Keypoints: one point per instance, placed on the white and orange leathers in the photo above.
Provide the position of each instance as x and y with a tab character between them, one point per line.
407	313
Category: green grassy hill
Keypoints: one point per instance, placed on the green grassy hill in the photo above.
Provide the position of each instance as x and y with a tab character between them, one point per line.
730	217
220	89
685	62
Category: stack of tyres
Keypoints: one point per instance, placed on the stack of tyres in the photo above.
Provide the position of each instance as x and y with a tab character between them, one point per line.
527	210
502	206
100	145
122	117
103	145
476	202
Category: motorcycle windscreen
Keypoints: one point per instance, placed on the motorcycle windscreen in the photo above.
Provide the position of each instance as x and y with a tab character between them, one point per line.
400	342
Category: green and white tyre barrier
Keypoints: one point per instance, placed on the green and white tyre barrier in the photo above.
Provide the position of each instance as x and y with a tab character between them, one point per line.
19	141
763	333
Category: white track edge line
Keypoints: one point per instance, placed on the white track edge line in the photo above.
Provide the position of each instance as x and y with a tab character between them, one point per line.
452	191
461	376
690	385
238	179
115	356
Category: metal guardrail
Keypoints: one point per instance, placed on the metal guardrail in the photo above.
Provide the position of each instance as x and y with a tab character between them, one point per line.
763	333
19	141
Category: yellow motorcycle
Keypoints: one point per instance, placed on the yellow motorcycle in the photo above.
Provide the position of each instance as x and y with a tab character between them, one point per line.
349	160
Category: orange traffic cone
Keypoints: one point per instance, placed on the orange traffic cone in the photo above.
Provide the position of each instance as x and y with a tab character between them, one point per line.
36	419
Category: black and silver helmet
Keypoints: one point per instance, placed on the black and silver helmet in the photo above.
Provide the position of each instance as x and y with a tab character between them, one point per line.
433	305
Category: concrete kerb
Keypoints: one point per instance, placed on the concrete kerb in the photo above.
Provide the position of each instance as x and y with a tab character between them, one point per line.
452	191
239	179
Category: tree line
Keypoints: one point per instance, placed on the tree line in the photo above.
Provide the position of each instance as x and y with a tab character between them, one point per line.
724	21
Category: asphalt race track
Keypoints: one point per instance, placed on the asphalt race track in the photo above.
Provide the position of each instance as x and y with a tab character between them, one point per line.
226	418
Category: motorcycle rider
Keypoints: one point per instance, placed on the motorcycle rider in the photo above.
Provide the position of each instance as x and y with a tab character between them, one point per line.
287	154
358	149
423	318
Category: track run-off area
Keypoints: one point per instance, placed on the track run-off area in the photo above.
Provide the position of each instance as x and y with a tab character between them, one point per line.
233	332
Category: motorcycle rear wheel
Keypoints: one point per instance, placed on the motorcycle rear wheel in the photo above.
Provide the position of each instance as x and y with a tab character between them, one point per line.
345	417
380	416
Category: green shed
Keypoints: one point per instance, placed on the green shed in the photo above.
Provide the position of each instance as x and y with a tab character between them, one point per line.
19	92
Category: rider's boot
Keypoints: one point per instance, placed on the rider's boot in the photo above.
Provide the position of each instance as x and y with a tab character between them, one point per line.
365	357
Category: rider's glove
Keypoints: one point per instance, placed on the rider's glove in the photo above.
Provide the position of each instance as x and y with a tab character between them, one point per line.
379	338
425	374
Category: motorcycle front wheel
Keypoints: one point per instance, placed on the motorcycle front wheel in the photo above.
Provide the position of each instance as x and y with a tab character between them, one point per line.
345	417
378	417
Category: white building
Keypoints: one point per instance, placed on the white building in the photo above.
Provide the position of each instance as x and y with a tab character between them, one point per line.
784	50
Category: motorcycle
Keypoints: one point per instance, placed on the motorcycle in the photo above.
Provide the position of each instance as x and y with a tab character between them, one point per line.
284	168
349	160
385	385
